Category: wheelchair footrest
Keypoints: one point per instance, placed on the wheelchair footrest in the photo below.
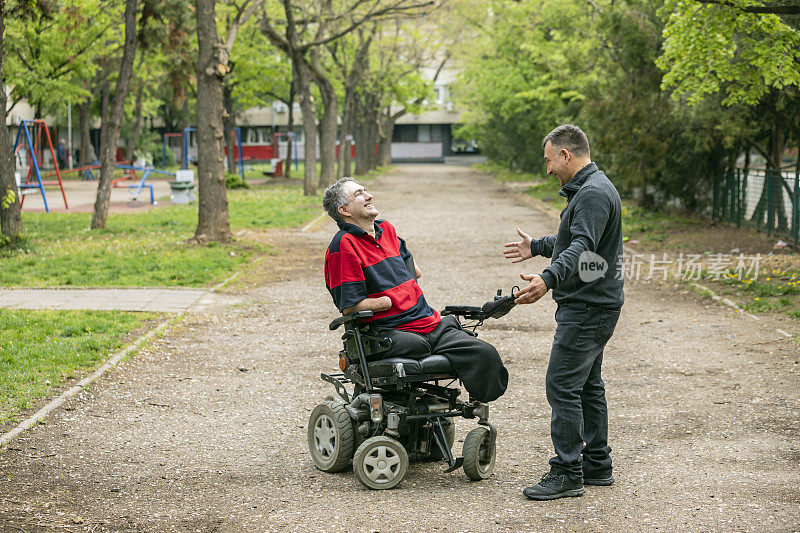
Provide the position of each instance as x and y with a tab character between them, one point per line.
458	463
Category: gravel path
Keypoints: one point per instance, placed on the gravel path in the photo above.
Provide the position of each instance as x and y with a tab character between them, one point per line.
204	430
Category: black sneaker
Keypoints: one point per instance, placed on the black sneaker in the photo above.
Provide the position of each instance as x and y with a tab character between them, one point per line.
597	477
554	486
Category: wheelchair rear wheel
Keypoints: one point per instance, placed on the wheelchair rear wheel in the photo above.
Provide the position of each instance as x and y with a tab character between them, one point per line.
380	463
478	462
331	437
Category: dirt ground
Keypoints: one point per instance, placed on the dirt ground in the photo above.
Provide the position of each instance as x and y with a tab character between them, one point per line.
205	429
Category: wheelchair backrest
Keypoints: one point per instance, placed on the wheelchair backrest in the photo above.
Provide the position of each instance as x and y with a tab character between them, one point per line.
371	343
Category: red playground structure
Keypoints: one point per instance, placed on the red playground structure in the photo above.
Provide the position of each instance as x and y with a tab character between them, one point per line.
33	144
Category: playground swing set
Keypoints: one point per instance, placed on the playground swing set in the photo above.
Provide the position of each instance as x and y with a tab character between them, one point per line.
236	138
35	181
182	187
32	144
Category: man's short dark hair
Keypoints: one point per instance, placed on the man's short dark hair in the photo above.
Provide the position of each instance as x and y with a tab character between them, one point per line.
336	196
570	137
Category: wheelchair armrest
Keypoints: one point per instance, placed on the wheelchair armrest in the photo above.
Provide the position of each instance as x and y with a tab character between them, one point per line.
348	319
469	312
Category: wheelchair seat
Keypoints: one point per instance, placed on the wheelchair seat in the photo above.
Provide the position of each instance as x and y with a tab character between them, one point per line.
432	364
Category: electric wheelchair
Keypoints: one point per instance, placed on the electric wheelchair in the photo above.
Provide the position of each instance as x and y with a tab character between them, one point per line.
399	410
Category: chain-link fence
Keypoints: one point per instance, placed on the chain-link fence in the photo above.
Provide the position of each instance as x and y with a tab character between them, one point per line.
767	200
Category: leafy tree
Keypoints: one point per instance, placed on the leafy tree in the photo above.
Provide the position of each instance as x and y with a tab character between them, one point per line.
213	223
742	52
261	74
722	49
51	48
536	66
113	119
300	29
646	141
10	219
526	72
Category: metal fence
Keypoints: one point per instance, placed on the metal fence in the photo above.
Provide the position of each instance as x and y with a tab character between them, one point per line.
766	200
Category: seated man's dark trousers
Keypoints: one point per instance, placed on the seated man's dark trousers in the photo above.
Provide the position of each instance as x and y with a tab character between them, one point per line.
576	392
476	362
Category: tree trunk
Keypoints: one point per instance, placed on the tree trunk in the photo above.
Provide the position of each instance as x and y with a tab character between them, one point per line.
10	216
385	133
362	152
86	140
309	128
343	162
287	168
365	128
111	138
228	125
348	158
213	223
328	127
372	162
105	112
778	146
768	207
385	149
133	137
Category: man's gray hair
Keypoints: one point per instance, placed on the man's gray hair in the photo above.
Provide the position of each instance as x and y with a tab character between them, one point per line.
336	196
570	137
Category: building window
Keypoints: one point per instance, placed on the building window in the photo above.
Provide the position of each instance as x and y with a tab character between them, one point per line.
440	93
424	133
405	133
412	133
256	135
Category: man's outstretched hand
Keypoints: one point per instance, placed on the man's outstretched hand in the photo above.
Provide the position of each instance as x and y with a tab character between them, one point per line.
533	291
520	250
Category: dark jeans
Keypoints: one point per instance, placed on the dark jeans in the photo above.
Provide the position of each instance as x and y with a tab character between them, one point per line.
476	362
575	389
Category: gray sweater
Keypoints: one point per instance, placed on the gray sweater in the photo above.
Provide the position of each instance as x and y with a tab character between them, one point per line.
590	224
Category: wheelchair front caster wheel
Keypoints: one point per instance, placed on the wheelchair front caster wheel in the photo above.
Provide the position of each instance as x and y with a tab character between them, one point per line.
380	463
331	437
478	461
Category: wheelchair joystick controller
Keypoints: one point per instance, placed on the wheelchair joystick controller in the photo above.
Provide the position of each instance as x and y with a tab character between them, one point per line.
500	305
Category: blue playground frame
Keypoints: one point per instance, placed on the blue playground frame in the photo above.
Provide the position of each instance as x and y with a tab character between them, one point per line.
141	185
185	153
32	154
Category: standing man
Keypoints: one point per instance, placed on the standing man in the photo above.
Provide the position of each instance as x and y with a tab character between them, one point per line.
582	276
61	154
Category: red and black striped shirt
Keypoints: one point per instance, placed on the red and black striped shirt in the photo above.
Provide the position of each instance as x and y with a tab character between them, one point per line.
358	266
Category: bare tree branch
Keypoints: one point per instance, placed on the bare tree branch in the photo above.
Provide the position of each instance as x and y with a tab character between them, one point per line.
244	12
773	10
755	144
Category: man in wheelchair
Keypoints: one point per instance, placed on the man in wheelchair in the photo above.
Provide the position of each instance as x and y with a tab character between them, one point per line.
397	351
368	268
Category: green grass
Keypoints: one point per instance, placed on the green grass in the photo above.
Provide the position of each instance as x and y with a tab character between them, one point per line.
147	248
503	173
646	226
775	291
542	187
256	171
548	191
40	349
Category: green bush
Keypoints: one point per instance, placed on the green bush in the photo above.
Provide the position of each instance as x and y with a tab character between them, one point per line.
235	181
